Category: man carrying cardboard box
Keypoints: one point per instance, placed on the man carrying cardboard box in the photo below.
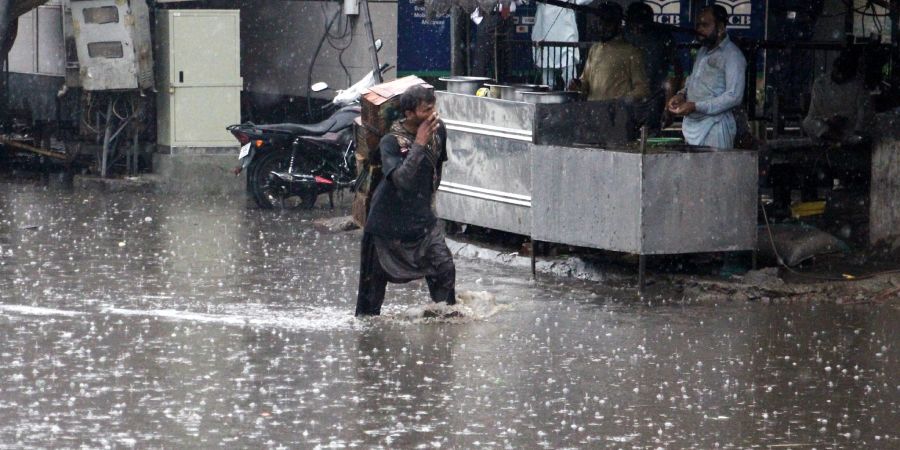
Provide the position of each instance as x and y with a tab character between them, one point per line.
402	240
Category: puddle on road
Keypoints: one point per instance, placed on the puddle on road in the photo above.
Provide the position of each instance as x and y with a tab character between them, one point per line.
471	306
257	316
26	310
214	325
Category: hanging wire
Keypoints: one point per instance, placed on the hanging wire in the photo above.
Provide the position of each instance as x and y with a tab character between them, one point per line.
345	29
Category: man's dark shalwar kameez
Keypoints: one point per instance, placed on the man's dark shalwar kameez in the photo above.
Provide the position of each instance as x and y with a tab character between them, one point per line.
402	240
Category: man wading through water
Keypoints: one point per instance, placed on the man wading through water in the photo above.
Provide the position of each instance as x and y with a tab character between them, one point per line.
402	240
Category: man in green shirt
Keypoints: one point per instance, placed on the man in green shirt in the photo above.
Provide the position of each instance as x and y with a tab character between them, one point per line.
614	68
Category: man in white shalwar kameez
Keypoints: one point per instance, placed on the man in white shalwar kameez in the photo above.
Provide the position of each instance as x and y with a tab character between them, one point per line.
556	24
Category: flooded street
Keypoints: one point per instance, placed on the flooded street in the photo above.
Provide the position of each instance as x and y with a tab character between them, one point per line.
143	320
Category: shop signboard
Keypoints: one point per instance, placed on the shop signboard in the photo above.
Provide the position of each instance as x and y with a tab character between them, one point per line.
423	43
746	17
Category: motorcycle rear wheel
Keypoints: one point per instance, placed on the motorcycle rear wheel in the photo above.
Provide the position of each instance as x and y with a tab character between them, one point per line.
269	197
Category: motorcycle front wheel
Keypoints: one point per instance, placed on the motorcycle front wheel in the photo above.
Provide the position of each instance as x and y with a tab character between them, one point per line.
275	197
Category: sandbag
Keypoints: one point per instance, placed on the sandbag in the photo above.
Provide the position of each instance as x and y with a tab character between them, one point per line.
796	243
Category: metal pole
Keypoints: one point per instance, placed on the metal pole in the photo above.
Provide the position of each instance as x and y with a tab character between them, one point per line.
7	25
133	163
105	156
533	259
642	260
848	22
894	12
368	23
459	59
496	55
643	139
642	269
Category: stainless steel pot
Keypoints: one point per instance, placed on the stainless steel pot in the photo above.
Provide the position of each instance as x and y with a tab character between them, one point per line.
513	92
521	89
497	90
464	85
551	97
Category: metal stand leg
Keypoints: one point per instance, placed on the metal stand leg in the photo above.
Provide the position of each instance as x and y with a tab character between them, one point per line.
642	269
533	260
106	137
755	256
133	163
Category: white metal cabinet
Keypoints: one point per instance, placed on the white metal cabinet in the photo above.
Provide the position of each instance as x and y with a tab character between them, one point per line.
199	73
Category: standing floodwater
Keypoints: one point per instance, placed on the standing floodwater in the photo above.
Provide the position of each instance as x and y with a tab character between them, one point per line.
171	321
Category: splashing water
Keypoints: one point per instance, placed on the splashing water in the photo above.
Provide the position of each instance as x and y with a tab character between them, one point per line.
470	306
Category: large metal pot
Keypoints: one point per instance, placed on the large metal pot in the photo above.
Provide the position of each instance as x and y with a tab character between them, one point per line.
551	97
513	92
521	89
464	85
497	89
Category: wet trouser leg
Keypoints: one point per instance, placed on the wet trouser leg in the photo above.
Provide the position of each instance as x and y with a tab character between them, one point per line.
372	280
442	285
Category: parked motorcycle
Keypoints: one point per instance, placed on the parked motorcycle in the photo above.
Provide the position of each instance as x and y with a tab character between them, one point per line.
289	165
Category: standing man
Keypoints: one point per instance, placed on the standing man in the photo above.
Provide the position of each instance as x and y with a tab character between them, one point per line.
614	68
658	46
402	240
556	24
715	87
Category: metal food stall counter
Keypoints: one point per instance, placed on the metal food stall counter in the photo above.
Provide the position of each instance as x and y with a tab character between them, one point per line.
487	180
658	202
513	166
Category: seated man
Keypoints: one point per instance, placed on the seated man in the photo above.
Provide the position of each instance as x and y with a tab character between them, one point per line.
614	68
840	110
840	106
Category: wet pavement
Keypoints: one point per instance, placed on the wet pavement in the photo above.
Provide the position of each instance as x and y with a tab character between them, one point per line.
142	320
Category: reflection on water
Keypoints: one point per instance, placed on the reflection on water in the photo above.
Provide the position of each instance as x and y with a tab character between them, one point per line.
148	321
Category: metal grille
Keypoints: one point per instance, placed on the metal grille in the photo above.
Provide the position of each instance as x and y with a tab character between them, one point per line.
556	60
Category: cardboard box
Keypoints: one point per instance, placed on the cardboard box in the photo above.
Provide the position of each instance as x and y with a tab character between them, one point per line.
380	97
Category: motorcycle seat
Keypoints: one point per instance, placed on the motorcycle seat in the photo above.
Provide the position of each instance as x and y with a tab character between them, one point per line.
313	129
341	119
327	138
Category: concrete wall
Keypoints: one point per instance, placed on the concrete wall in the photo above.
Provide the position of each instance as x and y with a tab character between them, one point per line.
279	38
207	174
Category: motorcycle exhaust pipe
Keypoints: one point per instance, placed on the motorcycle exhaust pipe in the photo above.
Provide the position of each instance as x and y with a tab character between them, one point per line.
303	180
